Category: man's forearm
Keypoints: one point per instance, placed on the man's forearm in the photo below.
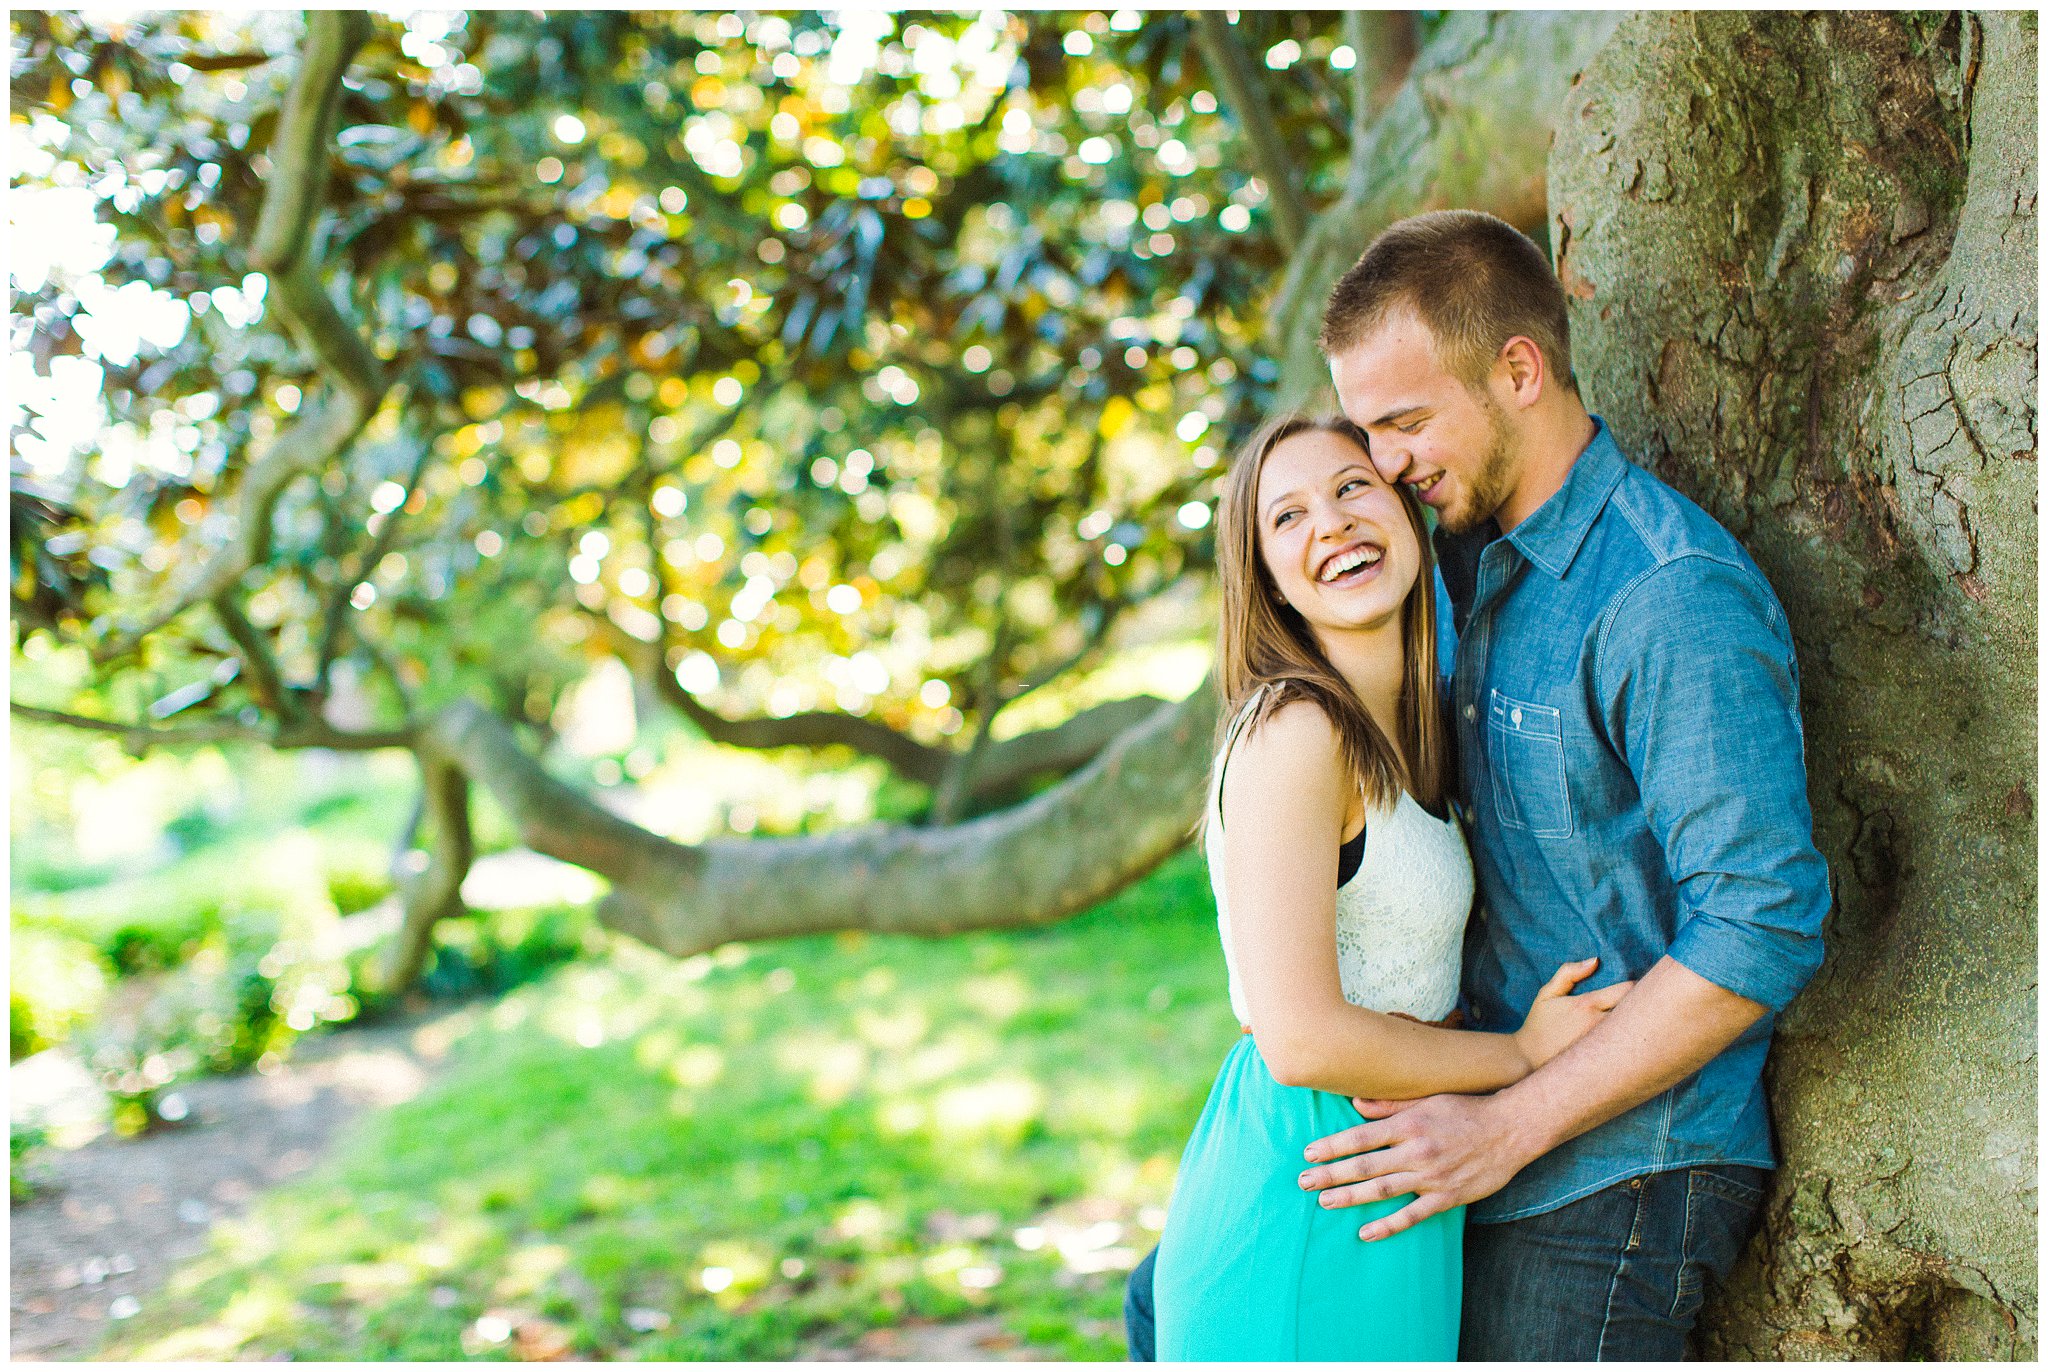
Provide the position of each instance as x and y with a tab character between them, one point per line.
1673	1023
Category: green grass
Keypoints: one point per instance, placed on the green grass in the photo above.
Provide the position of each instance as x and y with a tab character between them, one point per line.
752	1152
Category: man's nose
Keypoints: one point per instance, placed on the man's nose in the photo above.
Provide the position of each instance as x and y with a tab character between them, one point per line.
1390	461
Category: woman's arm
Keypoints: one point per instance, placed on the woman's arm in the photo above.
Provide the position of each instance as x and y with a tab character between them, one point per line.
1284	795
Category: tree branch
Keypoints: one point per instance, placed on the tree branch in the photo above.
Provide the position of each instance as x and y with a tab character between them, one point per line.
334	618
954	788
137	738
355	385
1004	764
305	134
1036	863
1223	50
433	890
811	729
265	681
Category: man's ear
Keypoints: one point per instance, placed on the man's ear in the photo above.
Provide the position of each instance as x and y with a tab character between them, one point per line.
1519	372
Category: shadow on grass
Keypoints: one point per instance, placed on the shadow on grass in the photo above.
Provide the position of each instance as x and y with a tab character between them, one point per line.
751	1155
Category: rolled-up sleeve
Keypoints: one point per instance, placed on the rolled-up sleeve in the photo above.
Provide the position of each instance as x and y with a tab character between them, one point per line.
1700	688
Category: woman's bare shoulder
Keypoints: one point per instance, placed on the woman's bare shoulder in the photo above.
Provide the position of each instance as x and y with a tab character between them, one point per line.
1296	737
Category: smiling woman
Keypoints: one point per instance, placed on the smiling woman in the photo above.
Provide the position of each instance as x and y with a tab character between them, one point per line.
1342	887
1302	492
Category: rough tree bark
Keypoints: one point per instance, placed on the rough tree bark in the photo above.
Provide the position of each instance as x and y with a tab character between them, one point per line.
1469	127
1801	251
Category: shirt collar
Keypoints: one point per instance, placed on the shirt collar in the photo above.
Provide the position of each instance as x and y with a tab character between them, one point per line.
1551	537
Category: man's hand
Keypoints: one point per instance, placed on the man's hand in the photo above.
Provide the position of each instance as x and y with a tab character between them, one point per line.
1453	1150
1447	1150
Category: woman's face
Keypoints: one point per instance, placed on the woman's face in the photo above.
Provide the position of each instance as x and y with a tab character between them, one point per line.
1333	535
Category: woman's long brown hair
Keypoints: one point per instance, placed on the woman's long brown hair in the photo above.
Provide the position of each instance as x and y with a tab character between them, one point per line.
1264	642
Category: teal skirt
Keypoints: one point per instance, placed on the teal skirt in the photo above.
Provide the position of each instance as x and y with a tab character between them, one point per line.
1251	1266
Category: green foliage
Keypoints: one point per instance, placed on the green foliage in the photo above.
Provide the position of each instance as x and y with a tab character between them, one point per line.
25	1146
355	889
55	984
477	957
835	357
753	1153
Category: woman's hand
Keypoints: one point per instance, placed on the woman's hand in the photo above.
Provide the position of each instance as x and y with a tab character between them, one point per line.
1559	1019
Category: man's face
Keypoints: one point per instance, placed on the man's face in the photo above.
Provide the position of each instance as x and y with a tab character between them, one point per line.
1447	440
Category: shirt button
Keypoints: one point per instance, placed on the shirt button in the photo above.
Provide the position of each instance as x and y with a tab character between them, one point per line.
1470	712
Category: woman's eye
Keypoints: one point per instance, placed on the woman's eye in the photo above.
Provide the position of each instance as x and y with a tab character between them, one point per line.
1412	426
1348	487
1283	517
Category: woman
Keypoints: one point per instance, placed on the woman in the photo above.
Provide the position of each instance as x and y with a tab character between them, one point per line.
1342	886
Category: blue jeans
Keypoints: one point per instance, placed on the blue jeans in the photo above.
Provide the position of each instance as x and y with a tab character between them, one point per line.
1140	1328
1619	1274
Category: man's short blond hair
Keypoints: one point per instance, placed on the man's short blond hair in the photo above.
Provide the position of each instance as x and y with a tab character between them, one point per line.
1474	280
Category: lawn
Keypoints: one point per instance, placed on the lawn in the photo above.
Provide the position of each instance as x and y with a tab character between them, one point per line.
750	1154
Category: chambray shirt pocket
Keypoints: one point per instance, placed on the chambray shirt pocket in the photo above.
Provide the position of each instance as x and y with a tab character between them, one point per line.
1526	741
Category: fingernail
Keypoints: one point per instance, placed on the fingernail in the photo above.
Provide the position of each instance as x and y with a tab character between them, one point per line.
1325	1199
1304	1179
1310	1154
1366	1233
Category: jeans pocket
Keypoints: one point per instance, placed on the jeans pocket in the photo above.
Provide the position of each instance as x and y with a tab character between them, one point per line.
1529	790
1721	1210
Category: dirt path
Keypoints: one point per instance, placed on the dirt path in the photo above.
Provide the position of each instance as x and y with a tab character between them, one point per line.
116	1216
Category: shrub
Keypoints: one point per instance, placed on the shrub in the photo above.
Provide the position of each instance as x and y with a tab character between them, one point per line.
135	1066
354	889
508	948
57	984
25	1144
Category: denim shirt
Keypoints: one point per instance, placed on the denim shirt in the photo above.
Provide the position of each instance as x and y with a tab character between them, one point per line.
1625	702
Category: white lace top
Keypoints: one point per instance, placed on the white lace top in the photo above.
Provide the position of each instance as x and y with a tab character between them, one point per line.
1401	916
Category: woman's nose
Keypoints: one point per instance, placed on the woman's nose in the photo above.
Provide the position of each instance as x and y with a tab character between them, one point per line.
1333	521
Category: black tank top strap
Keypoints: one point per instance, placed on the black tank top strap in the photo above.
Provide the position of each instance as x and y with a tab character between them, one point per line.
1349	856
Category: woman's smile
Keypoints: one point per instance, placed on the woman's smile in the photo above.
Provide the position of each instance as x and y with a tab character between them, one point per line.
1351	566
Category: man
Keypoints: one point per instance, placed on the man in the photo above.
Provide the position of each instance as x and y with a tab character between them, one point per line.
1630	753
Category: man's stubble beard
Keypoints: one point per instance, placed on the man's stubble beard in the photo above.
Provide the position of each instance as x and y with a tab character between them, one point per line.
1493	483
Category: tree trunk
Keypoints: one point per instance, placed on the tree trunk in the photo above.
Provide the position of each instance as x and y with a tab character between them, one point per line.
1470	128
1801	254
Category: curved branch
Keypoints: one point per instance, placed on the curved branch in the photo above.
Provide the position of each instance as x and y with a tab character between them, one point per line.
812	729
265	680
1061	748
355	383
305	131
335	612
1223	50
950	797
1004	763
433	892
136	738
1036	863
